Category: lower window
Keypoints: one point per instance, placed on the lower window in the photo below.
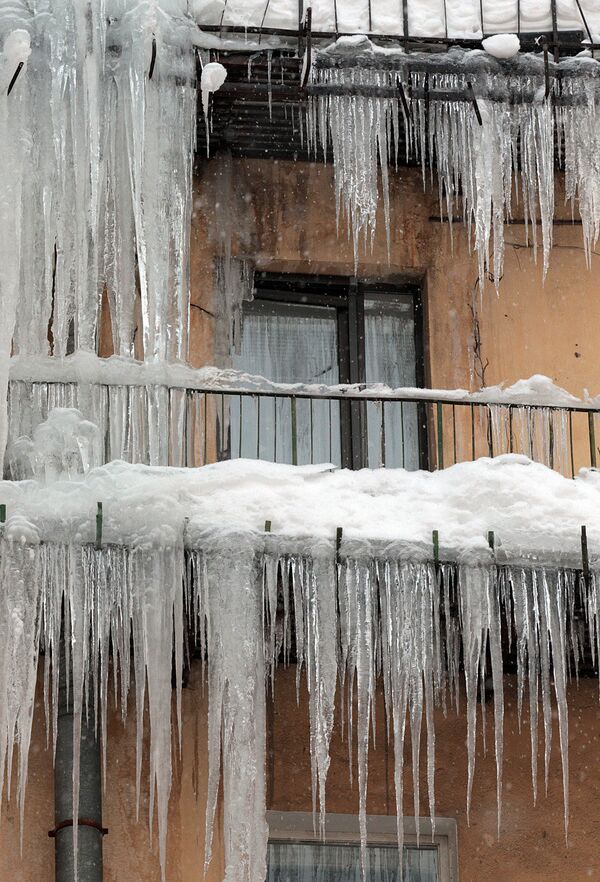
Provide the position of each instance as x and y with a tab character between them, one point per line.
296	854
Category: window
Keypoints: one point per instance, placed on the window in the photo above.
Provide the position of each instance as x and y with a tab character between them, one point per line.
296	854
324	331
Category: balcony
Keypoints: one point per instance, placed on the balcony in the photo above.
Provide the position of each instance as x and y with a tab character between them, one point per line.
209	416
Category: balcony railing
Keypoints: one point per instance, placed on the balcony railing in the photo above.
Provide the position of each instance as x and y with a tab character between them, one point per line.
349	427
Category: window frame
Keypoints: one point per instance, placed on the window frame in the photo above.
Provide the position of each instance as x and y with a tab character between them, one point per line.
343	829
347	294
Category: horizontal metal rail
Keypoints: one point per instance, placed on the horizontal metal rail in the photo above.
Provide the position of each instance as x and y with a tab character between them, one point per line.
183	426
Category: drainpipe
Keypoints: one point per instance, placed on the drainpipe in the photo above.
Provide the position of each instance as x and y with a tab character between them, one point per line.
90	830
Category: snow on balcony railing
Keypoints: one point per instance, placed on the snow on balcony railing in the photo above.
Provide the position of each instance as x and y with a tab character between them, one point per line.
173	415
421	19
384	603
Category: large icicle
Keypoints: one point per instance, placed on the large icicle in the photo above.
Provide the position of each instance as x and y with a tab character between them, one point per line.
98	136
487	129
231	611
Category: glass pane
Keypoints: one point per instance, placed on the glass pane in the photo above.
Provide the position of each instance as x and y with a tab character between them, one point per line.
317	862
288	344
390	358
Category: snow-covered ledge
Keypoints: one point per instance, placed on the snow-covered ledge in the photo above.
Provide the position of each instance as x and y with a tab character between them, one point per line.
372	605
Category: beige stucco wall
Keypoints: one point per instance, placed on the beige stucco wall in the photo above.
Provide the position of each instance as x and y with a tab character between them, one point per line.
282	216
128	853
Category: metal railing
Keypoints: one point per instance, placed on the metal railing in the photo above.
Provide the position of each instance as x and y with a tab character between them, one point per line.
192	427
557	38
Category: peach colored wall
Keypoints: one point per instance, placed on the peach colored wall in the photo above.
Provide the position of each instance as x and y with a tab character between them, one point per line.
128	854
282	216
532	845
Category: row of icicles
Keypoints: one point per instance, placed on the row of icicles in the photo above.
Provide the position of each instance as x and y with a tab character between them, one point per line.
353	625
490	147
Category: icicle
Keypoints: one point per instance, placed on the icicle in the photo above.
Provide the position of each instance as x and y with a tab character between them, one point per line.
237	727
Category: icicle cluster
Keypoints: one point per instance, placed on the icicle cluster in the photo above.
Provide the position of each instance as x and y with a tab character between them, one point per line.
414	628
487	157
119	605
156	425
351	624
98	137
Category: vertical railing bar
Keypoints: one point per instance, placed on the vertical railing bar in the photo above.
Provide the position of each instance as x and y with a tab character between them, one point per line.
258	426
402	433
530	429
330	432
205	428
382	435
481	15
554	12
240	429
511	440
454	431
370	18
294	416
592	438
490	433
585	558
472	408
519	19
405	20
312	435
550	439
275	403
440	434
445	20
222	443
571	443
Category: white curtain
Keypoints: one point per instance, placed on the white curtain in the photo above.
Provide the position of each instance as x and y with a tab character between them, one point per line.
318	862
390	358
288	344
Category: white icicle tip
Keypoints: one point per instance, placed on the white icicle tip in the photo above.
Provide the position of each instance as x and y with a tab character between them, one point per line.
213	77
502	45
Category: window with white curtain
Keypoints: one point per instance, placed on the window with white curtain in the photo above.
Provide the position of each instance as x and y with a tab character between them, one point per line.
324	331
296	854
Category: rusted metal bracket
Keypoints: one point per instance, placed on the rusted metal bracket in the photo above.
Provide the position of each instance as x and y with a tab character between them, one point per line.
546	68
152	59
308	54
471	92
14	78
81	822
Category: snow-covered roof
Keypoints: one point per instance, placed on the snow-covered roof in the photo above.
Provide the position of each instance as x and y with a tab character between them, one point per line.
456	19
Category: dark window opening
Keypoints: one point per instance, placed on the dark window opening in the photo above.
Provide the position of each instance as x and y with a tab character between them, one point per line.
323	331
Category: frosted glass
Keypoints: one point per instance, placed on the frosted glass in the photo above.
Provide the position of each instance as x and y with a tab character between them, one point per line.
288	344
316	862
390	358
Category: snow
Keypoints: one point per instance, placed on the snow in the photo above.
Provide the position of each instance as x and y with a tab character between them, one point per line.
502	45
533	510
427	18
212	78
370	609
84	368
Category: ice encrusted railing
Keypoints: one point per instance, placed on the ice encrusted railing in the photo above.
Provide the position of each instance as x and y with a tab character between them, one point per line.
488	129
225	415
354	616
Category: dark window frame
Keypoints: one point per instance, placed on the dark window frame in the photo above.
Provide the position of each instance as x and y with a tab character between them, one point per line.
347	294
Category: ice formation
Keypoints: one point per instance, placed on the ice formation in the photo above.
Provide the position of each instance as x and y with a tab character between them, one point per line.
97	137
493	141
371	609
352	617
